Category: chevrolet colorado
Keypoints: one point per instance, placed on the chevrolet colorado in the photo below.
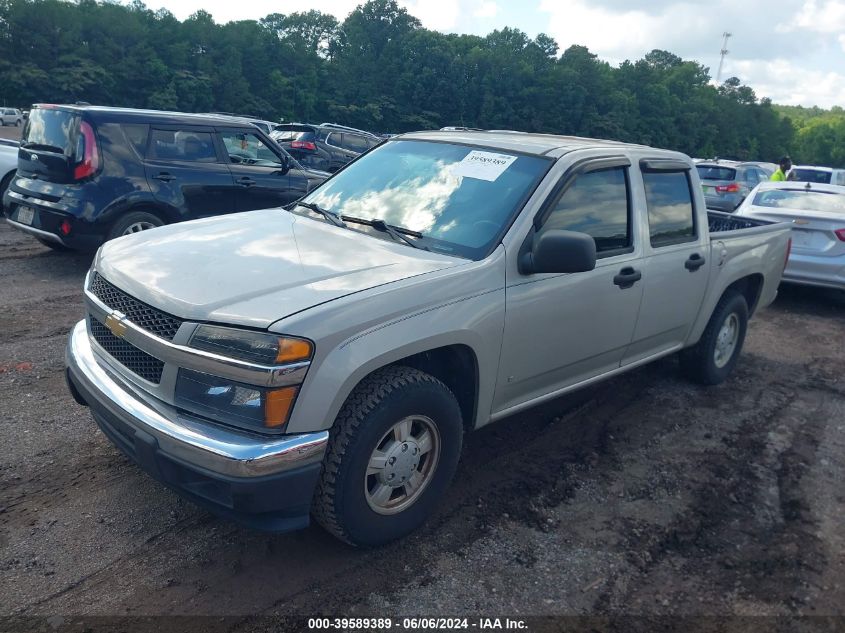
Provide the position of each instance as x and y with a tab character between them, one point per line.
325	359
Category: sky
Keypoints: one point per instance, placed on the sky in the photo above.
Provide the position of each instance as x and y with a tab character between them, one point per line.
790	51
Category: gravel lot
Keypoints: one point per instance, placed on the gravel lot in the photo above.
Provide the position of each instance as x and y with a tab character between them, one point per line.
645	495
13	133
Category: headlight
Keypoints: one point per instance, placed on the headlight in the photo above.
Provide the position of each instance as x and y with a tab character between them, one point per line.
256	347
233	402
237	403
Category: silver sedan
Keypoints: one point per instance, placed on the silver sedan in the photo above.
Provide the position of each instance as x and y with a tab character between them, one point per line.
817	214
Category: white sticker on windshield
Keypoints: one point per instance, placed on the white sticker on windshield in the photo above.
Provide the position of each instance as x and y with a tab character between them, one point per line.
483	165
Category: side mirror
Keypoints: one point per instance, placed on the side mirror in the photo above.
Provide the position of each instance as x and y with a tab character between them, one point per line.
557	251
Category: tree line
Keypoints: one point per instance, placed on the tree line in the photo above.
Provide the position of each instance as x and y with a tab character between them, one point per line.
378	69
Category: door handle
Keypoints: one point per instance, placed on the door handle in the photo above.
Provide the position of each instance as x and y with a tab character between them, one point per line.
627	277
245	182
163	176
694	262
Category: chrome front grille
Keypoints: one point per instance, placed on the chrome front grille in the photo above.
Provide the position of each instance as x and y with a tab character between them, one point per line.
137	361
144	316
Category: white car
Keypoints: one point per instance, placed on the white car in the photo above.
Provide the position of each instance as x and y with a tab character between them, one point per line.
817	214
822	175
8	166
11	116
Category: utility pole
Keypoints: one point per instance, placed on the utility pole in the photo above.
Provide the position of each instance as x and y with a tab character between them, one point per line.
724	52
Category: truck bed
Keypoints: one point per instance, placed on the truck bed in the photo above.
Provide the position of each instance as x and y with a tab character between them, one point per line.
719	222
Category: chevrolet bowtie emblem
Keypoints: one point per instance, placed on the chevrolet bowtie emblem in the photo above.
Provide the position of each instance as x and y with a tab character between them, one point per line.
116	325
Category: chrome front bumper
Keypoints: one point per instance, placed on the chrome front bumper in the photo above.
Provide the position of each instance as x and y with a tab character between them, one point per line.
181	437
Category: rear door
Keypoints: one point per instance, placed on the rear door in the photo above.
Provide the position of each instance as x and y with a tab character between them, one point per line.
261	178
675	268
340	155
562	329
186	170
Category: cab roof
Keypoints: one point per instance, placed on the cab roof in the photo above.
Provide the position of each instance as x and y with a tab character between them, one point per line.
524	142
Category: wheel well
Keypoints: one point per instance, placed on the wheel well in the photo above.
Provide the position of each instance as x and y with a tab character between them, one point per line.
750	288
457	368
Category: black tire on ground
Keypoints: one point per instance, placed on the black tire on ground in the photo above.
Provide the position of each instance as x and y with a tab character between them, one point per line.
701	363
18	123
382	400
133	219
60	248
4	184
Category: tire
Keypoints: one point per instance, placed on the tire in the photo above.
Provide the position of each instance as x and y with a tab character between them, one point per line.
4	184
127	224
347	501
712	359
18	123
59	248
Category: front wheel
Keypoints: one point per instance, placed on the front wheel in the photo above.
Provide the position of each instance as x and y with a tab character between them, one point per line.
712	359
394	449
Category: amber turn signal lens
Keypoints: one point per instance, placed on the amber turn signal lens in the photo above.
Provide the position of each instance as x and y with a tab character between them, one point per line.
277	406
293	349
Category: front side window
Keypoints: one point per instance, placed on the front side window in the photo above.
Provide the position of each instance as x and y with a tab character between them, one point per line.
459	199
183	145
596	204
245	148
811	175
671	215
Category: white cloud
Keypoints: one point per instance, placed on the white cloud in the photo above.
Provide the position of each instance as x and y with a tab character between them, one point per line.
487	10
789	83
821	17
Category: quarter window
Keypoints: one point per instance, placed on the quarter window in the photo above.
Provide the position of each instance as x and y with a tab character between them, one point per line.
671	215
596	204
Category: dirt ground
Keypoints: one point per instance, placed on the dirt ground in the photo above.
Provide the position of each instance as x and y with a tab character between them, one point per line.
644	495
7	131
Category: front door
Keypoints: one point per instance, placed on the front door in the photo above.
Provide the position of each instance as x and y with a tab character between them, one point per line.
562	329
261	176
675	267
184	171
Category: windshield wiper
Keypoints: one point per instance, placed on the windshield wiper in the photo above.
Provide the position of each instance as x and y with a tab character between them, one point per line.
398	233
331	216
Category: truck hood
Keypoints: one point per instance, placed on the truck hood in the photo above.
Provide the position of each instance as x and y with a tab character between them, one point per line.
255	268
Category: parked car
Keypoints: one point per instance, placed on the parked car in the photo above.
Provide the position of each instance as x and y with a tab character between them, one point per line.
329	359
8	165
326	146
88	174
726	183
821	175
817	214
11	116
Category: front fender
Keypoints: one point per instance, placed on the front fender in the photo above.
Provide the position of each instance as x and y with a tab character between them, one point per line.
475	322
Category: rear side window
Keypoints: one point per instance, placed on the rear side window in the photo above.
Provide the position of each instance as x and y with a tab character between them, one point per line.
137	137
752	177
51	130
810	175
183	145
596	204
355	143
671	215
712	172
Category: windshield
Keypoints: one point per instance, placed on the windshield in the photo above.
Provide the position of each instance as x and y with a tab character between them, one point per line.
810	175
460	199
711	172
51	130
801	199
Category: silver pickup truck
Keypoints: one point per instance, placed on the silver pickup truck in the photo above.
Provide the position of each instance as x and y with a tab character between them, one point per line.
326	359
